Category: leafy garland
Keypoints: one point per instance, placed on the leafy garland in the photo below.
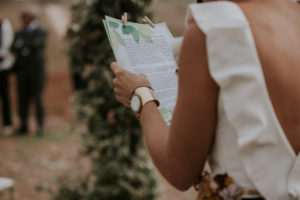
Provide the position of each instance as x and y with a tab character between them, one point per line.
120	166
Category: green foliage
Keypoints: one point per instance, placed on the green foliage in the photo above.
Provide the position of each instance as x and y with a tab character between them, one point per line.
120	166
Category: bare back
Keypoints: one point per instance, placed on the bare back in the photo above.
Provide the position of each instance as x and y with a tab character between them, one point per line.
275	25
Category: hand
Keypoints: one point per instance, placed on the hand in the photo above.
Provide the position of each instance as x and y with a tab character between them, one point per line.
126	82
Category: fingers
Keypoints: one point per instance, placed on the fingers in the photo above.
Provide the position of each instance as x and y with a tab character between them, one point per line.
114	66
118	85
119	71
116	69
116	82
123	100
120	92
125	82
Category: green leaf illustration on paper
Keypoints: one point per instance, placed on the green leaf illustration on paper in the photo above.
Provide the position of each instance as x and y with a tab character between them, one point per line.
127	29
146	30
113	24
135	35
146	38
131	30
114	41
118	37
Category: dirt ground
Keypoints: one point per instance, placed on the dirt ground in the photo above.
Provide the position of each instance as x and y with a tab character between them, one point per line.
34	162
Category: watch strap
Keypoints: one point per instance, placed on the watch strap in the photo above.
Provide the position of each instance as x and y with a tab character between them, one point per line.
146	94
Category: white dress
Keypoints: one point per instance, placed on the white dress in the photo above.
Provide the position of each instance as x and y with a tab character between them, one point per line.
250	144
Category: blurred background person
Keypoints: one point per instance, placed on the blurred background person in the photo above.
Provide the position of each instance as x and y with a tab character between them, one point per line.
29	46
6	61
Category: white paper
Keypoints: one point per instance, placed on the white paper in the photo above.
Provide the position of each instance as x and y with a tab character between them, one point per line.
148	51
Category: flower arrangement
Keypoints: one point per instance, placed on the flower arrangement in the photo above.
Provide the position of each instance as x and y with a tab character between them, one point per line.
219	187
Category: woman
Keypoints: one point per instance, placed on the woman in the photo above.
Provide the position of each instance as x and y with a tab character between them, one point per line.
238	101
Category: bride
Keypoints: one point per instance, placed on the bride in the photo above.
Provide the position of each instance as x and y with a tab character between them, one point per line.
238	102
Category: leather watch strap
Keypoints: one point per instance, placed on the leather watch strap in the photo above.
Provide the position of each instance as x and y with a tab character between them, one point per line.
146	94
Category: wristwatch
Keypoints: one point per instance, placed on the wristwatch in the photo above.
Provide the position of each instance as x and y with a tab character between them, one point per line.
140	97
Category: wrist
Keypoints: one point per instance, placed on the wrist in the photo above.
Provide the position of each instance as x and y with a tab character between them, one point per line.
134	90
148	107
140	97
147	95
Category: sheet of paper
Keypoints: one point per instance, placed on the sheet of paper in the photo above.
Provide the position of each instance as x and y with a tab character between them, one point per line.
140	48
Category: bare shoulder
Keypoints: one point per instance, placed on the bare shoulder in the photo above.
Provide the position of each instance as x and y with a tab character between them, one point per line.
194	71
193	57
194	37
194	32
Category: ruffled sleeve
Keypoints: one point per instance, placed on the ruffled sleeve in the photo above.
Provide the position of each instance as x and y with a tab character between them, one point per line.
267	157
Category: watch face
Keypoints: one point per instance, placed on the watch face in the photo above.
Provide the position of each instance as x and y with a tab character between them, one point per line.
135	103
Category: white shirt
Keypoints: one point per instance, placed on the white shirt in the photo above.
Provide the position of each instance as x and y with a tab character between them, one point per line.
7	40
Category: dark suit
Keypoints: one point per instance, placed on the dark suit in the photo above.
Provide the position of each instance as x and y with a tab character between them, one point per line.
29	48
4	97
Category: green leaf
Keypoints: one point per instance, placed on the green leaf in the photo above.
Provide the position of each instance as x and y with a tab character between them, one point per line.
113	24
127	29
135	35
146	30
146	38
114	41
119	38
